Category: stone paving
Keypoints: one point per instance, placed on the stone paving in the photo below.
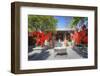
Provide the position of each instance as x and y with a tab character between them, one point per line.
49	54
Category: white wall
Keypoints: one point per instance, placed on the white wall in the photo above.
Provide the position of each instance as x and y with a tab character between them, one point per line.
5	42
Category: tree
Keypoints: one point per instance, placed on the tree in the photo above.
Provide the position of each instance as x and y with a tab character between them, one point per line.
43	23
76	20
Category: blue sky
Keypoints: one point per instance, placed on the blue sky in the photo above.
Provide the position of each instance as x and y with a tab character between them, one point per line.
63	21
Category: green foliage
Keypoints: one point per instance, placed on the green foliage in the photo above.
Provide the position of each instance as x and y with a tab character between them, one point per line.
43	23
75	21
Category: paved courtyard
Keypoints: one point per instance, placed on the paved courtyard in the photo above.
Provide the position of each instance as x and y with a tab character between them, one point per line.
49	54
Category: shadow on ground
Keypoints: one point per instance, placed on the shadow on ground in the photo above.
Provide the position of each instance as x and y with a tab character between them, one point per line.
82	51
43	55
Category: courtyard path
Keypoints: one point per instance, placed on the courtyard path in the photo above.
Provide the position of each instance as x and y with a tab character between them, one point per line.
50	55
